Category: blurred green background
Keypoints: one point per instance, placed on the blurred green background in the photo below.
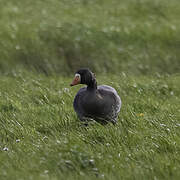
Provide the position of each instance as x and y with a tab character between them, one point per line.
60	36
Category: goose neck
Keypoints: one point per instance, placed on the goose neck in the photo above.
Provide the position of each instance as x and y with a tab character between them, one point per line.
92	85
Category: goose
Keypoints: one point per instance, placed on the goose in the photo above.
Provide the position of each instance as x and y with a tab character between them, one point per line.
100	103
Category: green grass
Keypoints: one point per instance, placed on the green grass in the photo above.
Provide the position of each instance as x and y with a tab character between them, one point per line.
45	140
137	37
132	45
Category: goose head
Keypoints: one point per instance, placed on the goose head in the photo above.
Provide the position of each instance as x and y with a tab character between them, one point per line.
84	76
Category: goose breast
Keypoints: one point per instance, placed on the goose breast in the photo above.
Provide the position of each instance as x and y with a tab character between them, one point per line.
100	103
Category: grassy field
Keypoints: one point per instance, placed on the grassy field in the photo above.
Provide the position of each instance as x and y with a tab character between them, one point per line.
130	45
41	137
138	37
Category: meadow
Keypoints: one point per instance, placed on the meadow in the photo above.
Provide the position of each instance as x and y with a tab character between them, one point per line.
130	45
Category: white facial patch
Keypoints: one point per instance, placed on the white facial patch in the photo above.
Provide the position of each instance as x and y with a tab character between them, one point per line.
78	76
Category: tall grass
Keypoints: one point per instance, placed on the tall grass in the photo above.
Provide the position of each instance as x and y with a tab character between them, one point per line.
41	137
138	37
133	46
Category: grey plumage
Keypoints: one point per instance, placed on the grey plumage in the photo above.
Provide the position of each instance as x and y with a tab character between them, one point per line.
100	103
